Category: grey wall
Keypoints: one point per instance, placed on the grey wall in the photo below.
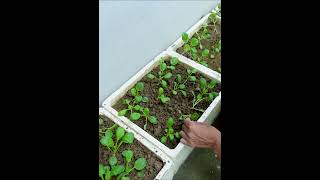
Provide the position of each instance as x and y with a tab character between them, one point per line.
131	33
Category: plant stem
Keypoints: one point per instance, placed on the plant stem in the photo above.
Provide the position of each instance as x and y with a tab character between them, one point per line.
113	126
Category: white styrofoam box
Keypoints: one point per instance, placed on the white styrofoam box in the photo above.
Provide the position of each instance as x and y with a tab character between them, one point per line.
195	28
166	173
181	151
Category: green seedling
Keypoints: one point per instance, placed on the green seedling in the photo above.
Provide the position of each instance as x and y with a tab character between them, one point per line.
204	93
105	172
162	76
170	132
179	86
139	165
133	104
194	116
145	112
121	137
161	96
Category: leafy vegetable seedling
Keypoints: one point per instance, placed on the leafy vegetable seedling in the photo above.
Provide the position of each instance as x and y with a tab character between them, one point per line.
121	137
139	164
105	172
134	104
170	132
162	76
161	96
179	86
194	116
204	93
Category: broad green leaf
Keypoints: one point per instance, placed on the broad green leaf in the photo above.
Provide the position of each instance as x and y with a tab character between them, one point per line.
171	67
164	139
164	99
108	133
212	84
185	37
133	92
171	137
128	138
174	61
184	93
205	53
126	101
186	48
195	116
177	135
146	111
160	91
138	99
107	141
128	154
164	83
153	120
145	99
203	83
168	76
117	170
170	122
140	164
194	70
113	161
194	50
182	86
178	77
150	76
171	131
119	133
163	66
192	78
194	42
102	170
137	107
213	95
139	86
122	112
135	116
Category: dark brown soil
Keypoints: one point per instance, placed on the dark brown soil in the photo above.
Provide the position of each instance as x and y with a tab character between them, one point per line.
177	105
154	164
213	63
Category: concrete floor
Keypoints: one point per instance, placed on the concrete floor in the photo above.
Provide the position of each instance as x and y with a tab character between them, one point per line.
200	165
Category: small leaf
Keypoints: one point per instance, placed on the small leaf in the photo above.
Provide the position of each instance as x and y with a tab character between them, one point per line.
137	107
168	76
184	93
140	174
126	101
153	120
177	134
185	37
122	112
163	66
108	133
140	164
135	116
146	111
194	42
113	161
195	116
100	121
174	92
178	78
212	84
164	99
164	83
213	95
171	137
163	139
186	48
199	96
174	61
107	142
145	99
194	50
117	170
139	86
203	83
182	86
119	133
125	178
204	63
150	76
133	92
160	91
193	78
102	170
189	71
128	154
138	99
128	138
205	53
170	122
194	70
166	130
171	131
171	67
